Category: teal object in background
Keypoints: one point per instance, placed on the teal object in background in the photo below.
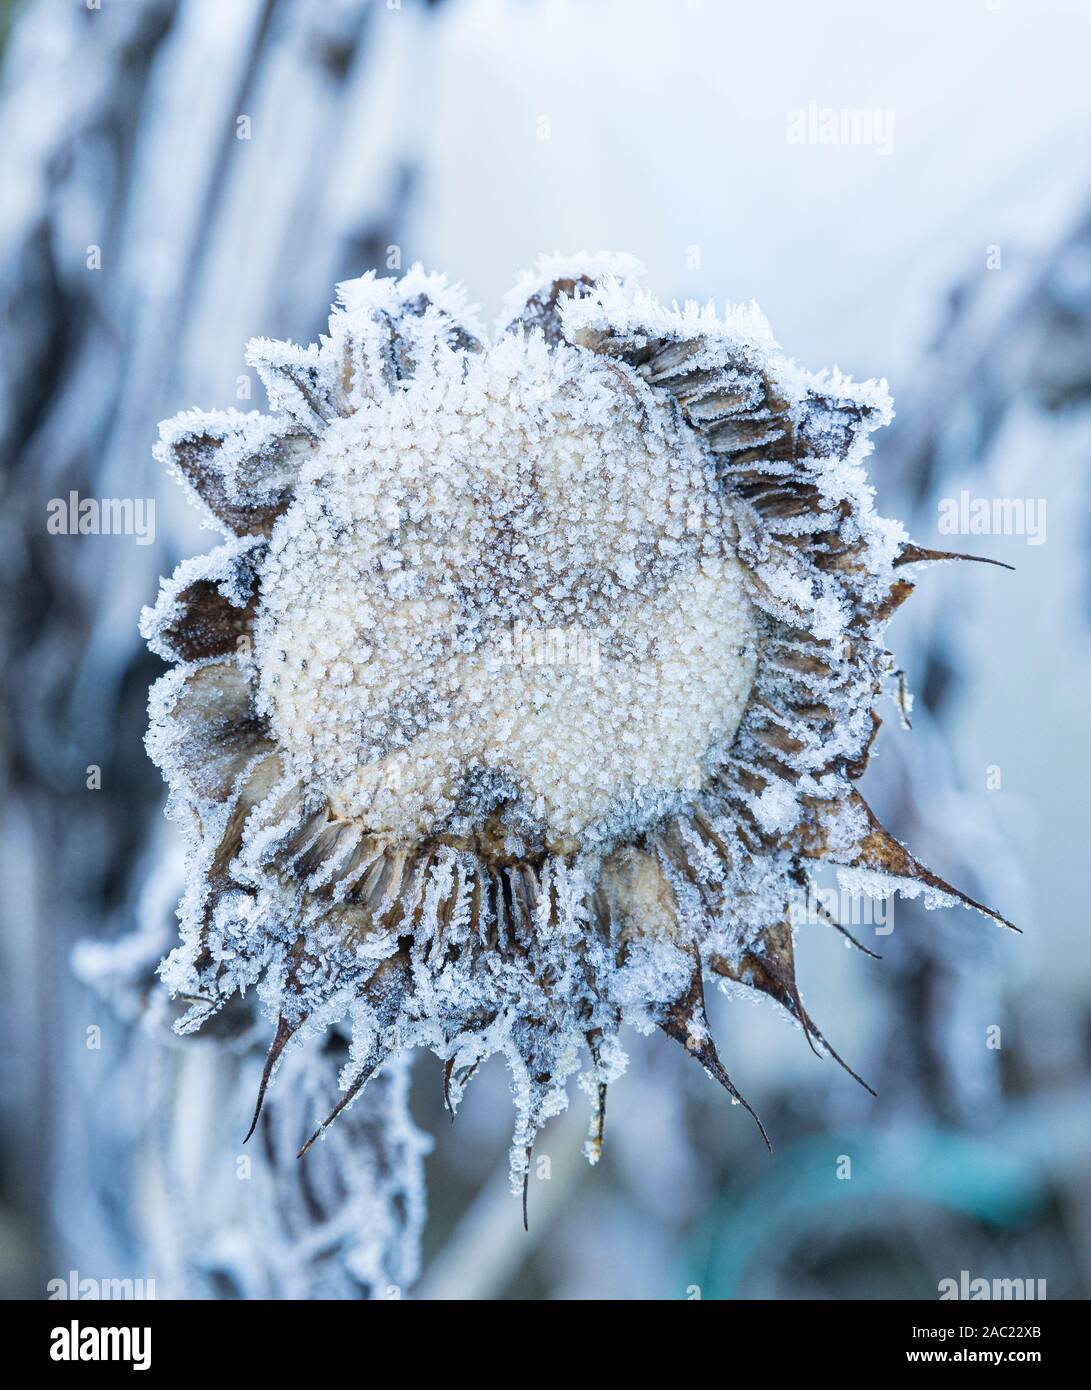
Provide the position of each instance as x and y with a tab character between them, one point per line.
802	1191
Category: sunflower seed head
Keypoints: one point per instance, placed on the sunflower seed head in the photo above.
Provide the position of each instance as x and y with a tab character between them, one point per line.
530	678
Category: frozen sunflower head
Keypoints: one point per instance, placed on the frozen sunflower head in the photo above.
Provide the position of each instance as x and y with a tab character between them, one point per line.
533	677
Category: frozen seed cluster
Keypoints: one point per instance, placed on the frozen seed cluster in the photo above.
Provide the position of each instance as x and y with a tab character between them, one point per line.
511	585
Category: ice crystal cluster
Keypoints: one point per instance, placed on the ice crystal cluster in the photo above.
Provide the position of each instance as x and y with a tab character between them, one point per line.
532	677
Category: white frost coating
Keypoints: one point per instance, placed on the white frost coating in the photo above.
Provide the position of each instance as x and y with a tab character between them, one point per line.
361	298
254	457
777	808
873	884
598	266
625	307
230	567
519	576
548	682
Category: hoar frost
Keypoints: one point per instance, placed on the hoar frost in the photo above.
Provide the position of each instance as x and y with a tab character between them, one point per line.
538	487
531	678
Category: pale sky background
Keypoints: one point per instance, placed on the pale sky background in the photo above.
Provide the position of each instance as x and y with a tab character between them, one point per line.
669	129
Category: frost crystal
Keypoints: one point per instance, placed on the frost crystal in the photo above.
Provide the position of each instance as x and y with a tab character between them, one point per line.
530	678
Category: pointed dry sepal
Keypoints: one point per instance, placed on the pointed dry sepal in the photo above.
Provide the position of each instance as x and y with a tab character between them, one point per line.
687	1024
917	555
593	1147
455	1081
299	382
204	727
284	1034
540	1058
361	1080
899	591
879	852
769	967
529	1153
207	608
536	301
241	469
386	994
385	331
